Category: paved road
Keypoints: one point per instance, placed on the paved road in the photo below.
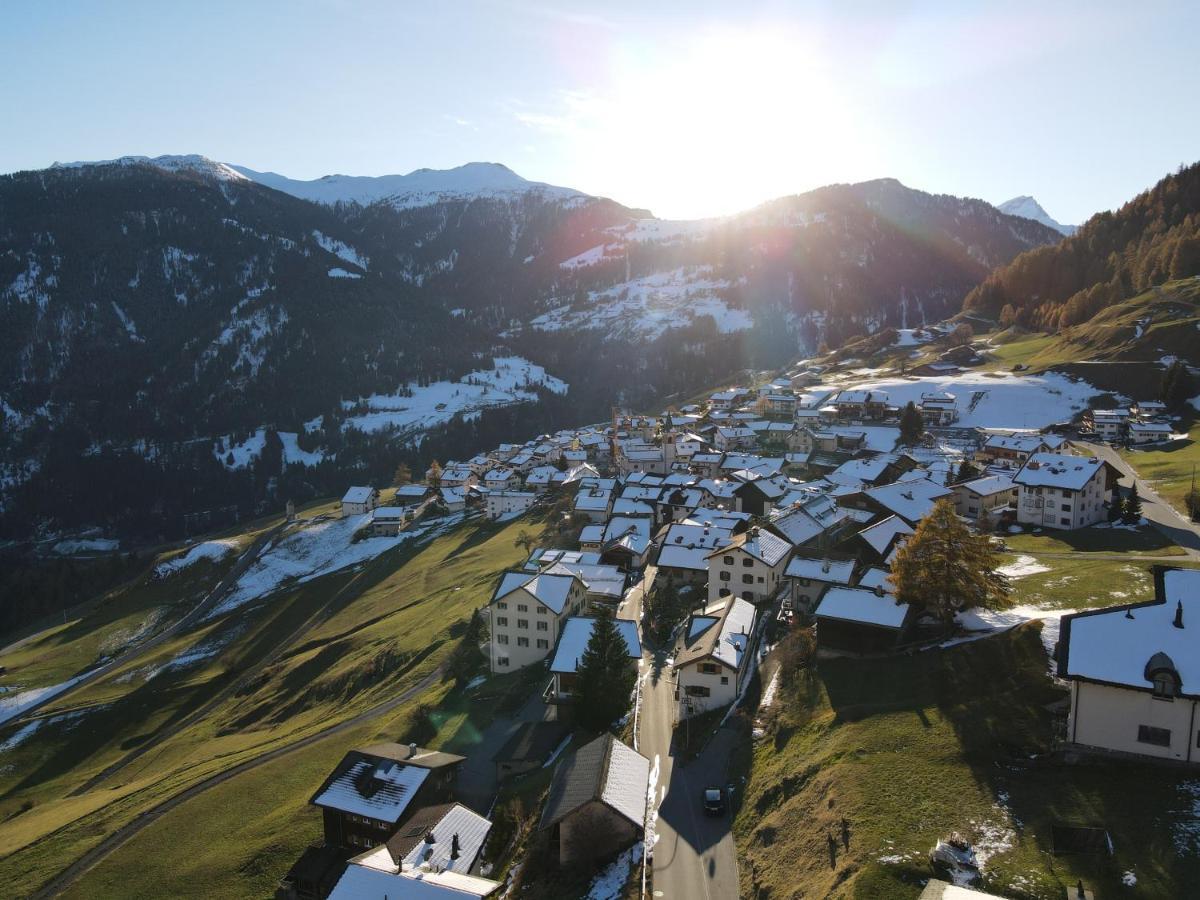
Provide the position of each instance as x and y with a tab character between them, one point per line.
1157	511
77	869
631	605
200	609
695	858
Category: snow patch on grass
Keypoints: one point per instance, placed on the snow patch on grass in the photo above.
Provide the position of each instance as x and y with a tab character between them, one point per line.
1022	566
212	550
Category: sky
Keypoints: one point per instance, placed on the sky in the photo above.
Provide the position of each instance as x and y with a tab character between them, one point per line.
684	108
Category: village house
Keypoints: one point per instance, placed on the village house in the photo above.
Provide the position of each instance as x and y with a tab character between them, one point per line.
359	501
727	399
860	620
501	479
813	574
1134	672
503	503
460	476
626	542
388	521
734	438
684	548
365	878
750	566
594	503
1063	492
576	632
988	494
911	499
1149	432
938	409
860	405
879	542
526	614
597	800
411	494
1146	410
1011	450
373	789
1109	424
542	479
712	667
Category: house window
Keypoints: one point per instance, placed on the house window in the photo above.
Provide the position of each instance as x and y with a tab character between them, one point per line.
747	578
543	626
541	610
522	642
543	644
502	639
803	582
695	690
709	668
502	605
522	623
724	576
501	620
501	661
761	579
1065	520
522	607
1165	686
728	560
747	563
1159	737
724	679
747	595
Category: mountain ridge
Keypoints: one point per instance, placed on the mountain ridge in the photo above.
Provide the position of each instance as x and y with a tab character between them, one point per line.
1027	207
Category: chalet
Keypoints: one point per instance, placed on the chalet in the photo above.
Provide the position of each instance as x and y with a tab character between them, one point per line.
443	838
597	800
542	479
813	575
1145	410
1060	491
591	538
502	503
501	479
626	542
388	521
714	663
1013	449
861	404
751	566
576	632
458	476
911	500
575	457
734	438
860	620
526	614
758	496
684	548
529	747
779	404
604	584
936	369
359	501
454	499
984	495
727	399
374	789
594	503
1109	424
1149	432
938	409
411	494
1134	672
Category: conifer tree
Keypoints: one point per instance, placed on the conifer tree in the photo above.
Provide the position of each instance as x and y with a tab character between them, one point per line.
912	424
966	472
605	676
403	475
1132	511
943	567
1177	387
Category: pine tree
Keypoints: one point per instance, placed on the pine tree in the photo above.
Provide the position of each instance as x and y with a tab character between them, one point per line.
1131	513
966	472
605	677
912	424
1115	508
943	567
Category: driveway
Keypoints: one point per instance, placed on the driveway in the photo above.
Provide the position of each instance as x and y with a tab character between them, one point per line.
477	782
1161	514
695	858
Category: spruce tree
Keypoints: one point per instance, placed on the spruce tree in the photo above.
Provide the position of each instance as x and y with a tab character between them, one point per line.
606	676
912	424
943	567
966	472
1132	511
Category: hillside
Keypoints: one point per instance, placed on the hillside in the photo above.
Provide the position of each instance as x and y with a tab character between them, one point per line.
257	347
1152	239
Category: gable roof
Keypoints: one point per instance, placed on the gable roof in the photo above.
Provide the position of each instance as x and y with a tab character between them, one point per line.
605	770
758	543
879	537
365	882
818	568
726	643
1058	470
358	495
576	633
550	589
865	607
911	500
378	789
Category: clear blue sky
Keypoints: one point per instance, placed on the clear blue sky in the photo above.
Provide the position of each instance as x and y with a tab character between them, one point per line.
688	108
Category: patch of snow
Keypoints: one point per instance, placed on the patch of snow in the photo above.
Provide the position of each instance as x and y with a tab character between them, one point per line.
293	454
14	705
1022	566
244	453
212	550
1129	879
341	250
86	545
996	620
339	272
1185	825
562	745
127	323
610	883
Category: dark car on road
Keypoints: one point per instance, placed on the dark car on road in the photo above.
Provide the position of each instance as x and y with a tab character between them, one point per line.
714	801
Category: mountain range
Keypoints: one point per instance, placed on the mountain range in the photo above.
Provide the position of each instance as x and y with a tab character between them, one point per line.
186	341
1028	208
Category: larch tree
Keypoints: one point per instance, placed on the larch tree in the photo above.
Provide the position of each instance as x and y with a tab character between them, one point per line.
403	475
944	568
606	677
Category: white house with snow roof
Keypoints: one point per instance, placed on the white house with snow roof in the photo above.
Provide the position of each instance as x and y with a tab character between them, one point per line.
712	667
527	613
750	566
811	576
1055	490
358	501
1135	672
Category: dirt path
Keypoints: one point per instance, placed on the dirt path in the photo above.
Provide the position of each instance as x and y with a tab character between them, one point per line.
122	835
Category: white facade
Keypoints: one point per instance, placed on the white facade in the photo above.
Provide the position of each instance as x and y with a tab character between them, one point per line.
359	500
1059	491
501	503
524	627
1133	721
734	571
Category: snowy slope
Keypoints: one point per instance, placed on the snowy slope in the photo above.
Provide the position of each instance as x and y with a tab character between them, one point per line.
1028	208
423	187
190	162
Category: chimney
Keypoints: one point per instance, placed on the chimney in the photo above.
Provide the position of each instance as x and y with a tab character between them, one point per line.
879	590
412	750
454	846
1179	614
825	565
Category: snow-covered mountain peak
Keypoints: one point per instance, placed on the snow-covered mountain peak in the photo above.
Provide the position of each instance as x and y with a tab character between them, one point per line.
1028	208
421	187
171	163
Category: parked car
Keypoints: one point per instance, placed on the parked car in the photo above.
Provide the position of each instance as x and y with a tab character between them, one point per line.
714	801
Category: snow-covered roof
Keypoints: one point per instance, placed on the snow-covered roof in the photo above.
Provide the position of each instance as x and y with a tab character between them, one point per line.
911	500
761	544
577	631
378	789
551	590
852	604
876	577
989	485
1058	470
358	495
471	829
361	882
880	535
1115	645
1023	443
727	643
605	770
1149	428
600	580
834	571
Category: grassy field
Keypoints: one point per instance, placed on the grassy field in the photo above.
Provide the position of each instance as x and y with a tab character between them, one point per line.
365	636
1169	469
868	762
